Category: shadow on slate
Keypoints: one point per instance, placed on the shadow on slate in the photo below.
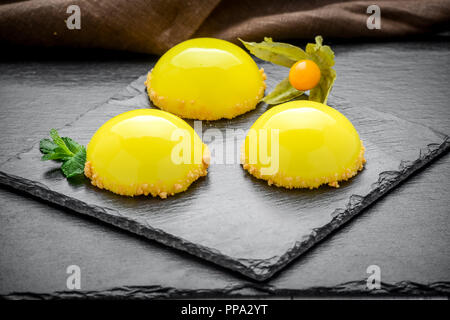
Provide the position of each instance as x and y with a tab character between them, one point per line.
229	217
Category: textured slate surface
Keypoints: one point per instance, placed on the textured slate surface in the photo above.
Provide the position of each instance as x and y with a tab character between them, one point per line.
257	234
405	233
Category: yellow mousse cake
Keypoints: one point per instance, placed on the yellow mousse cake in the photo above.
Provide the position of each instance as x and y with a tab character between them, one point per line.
302	144
206	79
145	151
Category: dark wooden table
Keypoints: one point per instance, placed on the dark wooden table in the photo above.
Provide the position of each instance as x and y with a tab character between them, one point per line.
407	233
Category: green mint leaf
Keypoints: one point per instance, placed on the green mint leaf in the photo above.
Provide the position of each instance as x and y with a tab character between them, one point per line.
283	92
73	146
75	165
57	156
47	146
70	152
283	54
59	141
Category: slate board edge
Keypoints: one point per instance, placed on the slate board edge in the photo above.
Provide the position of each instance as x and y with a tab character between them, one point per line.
256	269
251	290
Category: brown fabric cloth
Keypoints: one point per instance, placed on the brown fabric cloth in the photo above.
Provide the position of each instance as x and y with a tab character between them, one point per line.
153	26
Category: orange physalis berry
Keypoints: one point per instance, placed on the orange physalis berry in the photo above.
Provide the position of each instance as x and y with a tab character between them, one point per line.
304	75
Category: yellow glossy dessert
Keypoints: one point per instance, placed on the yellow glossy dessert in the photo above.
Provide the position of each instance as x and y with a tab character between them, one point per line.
206	79
145	151
303	144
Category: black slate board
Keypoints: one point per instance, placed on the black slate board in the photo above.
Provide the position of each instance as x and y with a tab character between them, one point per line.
229	217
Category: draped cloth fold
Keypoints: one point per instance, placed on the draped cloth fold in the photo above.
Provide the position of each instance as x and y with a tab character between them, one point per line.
153	26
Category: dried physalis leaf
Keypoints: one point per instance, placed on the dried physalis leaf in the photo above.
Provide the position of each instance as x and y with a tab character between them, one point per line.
287	55
283	92
283	54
